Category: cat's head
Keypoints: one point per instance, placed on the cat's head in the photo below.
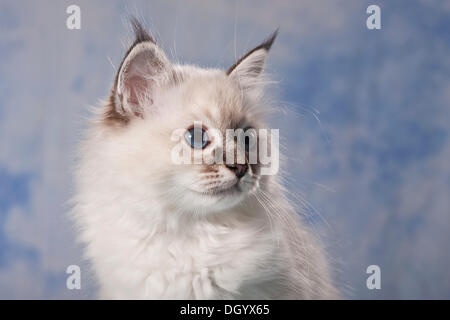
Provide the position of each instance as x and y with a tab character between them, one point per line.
159	112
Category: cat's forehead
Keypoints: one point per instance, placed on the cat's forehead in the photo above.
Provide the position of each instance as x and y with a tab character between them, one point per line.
212	97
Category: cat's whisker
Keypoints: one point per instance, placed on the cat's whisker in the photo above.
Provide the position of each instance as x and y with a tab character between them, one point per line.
267	213
306	204
277	211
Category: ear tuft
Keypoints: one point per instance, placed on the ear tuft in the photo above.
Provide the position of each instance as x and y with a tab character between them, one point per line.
140	34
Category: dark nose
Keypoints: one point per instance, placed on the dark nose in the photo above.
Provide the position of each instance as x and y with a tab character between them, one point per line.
238	169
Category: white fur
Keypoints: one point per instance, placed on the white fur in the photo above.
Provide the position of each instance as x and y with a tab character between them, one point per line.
150	234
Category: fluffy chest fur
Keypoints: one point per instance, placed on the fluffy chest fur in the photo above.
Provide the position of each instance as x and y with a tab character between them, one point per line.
150	256
201	266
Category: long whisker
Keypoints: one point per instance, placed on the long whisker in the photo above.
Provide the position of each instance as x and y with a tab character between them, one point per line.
266	211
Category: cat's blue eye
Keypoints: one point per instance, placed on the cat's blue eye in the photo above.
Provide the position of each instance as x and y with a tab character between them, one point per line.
197	137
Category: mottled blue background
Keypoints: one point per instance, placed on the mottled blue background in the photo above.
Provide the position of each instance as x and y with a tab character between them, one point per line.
364	117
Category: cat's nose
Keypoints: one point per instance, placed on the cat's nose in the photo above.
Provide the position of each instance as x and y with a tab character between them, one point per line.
238	169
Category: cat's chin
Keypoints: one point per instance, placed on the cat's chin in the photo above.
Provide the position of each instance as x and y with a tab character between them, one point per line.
220	192
214	200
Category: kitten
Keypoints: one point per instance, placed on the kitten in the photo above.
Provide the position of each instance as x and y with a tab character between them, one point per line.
154	229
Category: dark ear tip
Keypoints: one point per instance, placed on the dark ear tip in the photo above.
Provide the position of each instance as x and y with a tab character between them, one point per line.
268	43
141	35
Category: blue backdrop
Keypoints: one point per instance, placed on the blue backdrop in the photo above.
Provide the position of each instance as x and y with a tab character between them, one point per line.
364	118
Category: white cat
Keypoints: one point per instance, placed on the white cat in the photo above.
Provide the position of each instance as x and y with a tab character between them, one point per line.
154	229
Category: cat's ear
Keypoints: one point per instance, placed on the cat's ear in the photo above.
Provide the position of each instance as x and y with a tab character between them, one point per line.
144	68
248	69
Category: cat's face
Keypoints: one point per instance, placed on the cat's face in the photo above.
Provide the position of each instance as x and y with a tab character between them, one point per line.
174	119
